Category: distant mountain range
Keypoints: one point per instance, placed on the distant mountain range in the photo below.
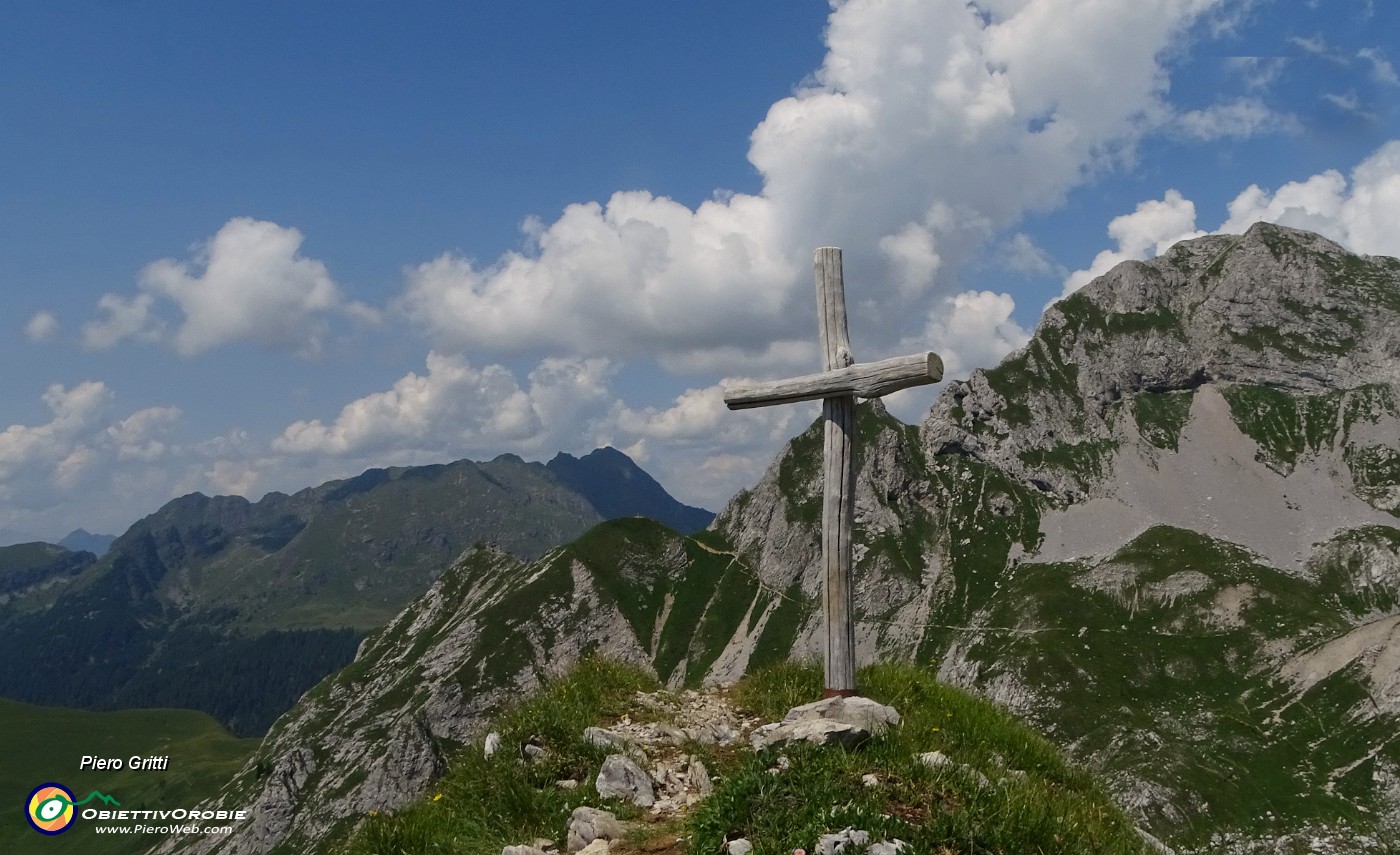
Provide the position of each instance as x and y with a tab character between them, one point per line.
236	607
80	540
77	540
1166	531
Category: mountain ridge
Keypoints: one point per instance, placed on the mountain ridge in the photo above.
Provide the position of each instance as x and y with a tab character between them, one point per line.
1234	705
273	594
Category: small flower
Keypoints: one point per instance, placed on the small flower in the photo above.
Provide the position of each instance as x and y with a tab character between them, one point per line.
374	813
438	797
935	730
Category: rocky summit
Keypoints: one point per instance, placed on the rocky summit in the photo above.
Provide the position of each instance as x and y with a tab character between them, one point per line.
1166	532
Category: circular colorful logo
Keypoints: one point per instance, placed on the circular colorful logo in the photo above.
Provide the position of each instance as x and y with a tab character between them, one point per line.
50	808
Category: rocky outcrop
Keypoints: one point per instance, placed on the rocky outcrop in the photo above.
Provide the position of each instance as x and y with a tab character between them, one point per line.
1276	307
845	721
1174	511
1196	453
373	736
622	778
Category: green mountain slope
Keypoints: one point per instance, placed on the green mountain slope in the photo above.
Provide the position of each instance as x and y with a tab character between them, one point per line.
236	607
202	755
38	572
1167	531
374	734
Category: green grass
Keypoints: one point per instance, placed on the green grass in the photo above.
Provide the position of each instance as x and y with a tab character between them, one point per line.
1161	416
43	744
484	804
799	476
1375	280
1082	314
639	563
489	803
1285	426
1298	345
984	514
1053	808
1167	688
1086	461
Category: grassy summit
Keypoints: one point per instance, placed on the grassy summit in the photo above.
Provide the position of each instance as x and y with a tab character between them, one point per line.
1007	790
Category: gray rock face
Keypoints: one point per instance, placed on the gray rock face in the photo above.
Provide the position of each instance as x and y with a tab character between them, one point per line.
1237	399
604	738
847	722
621	778
1238	393
864	713
848	841
816	731
700	777
1273	307
588	824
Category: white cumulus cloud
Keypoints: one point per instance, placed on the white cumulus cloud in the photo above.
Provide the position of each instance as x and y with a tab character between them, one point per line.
456	409
1363	214
931	125
80	452
42	449
248	282
973	329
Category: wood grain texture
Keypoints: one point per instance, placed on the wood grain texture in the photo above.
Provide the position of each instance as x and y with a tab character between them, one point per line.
831	309
864	380
838	525
840	382
838	477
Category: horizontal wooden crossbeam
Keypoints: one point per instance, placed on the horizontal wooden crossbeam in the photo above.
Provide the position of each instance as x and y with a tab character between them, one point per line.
865	380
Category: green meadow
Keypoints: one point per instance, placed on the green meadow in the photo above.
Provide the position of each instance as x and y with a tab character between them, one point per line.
43	744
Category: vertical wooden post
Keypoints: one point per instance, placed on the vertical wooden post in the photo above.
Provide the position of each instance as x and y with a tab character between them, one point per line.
838	384
838	478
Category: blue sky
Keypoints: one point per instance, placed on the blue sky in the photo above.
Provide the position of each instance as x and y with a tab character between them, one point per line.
253	246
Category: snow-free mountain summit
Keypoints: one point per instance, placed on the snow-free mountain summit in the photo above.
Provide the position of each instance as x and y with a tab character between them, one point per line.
236	607
1167	531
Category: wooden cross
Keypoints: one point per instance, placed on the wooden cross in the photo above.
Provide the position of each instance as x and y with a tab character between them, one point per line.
837	386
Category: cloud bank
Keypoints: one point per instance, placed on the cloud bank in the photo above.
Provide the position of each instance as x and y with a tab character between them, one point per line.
930	128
